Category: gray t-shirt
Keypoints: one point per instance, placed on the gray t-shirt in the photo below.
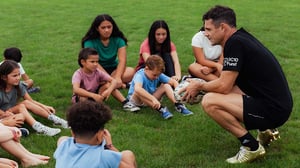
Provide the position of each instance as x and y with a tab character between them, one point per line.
10	99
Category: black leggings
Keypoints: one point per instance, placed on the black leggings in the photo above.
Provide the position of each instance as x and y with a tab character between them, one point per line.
169	64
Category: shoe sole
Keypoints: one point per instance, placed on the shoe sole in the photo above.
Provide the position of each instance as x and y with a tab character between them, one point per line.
61	126
191	113
187	114
42	133
132	109
168	117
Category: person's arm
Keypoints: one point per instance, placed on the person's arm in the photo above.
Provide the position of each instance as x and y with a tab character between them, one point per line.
61	139
2	114
173	82
112	86
128	160
145	96
224	84
25	77
122	64
15	120
200	58
177	67
109	145
145	56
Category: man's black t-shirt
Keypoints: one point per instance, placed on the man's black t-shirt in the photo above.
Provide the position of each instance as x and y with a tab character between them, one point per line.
260	75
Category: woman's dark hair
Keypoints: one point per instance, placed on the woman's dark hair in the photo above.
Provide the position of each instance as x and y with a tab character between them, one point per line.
94	34
13	53
85	53
87	117
165	47
6	68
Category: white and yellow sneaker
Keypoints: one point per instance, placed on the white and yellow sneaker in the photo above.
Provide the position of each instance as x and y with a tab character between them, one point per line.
246	155
267	136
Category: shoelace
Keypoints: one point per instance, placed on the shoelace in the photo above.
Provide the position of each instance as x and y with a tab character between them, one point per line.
242	155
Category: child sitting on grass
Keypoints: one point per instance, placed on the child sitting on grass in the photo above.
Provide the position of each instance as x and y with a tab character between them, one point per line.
149	84
11	90
90	144
91	83
15	54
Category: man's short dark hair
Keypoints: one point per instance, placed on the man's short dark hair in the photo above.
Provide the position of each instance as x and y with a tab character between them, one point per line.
221	14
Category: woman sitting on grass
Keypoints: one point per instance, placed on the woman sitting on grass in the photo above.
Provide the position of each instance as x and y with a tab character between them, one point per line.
159	43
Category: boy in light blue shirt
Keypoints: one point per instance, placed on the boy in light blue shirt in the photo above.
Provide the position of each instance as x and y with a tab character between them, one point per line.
90	145
150	84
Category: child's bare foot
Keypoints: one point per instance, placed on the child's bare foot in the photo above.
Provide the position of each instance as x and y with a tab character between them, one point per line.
33	162
41	157
8	163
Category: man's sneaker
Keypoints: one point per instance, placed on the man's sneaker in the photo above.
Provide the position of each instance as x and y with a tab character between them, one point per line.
24	132
165	113
246	155
128	106
183	110
34	89
267	136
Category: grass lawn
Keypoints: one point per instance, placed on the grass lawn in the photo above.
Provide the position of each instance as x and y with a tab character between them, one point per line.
49	34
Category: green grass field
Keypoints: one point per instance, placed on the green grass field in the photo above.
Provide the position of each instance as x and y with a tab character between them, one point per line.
49	34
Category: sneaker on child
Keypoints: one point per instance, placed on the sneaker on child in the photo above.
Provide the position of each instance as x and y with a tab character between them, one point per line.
128	106
42	129
24	132
183	110
165	113
34	89
246	155
58	121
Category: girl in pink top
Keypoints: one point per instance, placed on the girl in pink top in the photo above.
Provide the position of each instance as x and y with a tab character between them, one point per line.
159	43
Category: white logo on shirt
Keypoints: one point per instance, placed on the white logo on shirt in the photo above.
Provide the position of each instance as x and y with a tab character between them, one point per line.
231	61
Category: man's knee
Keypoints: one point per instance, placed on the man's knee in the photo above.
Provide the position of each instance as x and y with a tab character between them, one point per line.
207	101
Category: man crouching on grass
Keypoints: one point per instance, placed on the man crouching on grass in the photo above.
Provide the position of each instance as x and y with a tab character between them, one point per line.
252	88
91	144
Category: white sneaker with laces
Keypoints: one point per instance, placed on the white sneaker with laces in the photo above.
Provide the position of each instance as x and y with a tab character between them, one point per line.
246	155
58	121
130	107
42	129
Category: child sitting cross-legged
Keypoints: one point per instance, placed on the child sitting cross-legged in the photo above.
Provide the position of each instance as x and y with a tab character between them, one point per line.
149	84
91	83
